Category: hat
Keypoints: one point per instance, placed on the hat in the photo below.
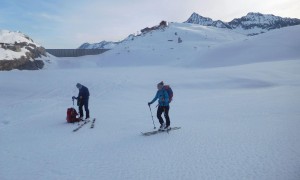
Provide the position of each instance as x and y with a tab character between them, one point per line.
78	85
161	83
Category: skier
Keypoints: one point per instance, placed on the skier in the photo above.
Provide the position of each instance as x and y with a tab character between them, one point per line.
83	100
163	106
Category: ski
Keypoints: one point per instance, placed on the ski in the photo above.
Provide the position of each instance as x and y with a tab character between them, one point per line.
159	131
81	125
93	123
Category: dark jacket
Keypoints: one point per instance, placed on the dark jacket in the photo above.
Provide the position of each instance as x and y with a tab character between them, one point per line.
84	92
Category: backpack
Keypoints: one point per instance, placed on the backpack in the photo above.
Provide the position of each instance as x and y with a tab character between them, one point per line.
169	91
71	115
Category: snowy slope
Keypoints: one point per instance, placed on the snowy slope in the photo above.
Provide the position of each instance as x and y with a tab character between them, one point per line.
201	47
250	25
239	119
161	47
10	38
238	122
277	45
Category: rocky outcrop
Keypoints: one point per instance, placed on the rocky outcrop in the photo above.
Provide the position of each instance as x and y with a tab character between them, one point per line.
34	51
25	62
162	25
21	64
19	51
262	21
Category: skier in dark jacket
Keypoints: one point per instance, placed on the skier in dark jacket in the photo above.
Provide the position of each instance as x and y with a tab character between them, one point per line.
163	106
83	100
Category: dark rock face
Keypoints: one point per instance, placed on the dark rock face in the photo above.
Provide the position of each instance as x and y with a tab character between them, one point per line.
263	21
162	25
197	19
21	64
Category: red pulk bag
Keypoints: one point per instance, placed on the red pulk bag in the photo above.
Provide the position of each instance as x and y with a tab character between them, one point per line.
71	115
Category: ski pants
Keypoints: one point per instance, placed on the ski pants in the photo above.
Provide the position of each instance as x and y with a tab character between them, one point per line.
85	103
165	110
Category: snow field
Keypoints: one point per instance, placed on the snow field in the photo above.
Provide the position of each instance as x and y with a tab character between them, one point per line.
235	97
239	122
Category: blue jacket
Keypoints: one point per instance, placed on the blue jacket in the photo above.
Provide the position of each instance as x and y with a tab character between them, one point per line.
163	98
84	92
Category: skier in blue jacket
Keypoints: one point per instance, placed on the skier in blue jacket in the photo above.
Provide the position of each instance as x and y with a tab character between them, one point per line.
163	106
83	100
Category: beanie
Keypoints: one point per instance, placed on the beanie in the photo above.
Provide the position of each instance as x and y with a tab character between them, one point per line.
78	85
161	83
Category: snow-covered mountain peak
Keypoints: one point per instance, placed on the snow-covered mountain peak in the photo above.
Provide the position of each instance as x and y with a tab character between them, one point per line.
257	15
10	37
257	19
254	14
262	21
100	45
198	19
19	51
252	24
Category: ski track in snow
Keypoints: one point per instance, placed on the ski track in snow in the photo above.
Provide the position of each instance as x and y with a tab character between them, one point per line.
237	122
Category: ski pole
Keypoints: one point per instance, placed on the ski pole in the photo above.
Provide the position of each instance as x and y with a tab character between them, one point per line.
152	117
73	108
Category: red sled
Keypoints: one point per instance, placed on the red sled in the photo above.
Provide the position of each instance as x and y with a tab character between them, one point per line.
71	115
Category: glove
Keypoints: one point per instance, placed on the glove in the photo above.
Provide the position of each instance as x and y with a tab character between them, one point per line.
74	98
149	104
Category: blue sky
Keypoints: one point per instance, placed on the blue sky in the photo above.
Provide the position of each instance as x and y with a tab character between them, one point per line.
69	23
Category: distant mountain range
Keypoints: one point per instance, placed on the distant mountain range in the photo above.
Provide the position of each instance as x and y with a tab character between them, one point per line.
250	25
100	45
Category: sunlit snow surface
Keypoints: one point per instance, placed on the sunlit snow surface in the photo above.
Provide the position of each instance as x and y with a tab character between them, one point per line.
236	100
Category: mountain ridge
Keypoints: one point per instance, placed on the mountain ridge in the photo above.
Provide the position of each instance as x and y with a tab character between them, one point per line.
251	24
254	23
